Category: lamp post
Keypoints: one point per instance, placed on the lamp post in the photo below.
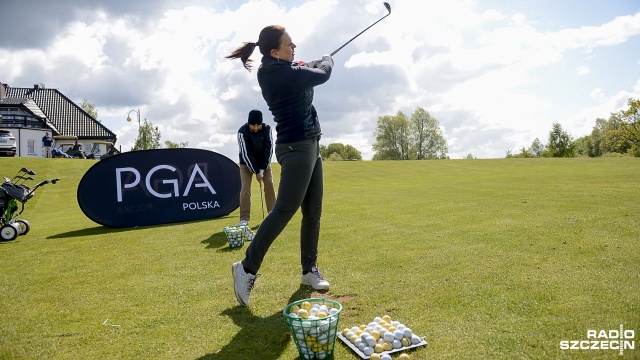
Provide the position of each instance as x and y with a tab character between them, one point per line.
139	126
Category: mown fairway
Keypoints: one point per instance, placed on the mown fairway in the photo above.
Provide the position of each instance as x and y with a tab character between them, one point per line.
488	259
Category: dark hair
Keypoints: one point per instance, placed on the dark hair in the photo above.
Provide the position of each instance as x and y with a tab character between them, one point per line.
268	40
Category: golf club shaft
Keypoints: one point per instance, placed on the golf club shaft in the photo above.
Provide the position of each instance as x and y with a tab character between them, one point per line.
360	33
261	200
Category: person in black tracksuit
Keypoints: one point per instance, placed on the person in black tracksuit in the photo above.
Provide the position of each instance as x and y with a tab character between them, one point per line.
256	146
287	87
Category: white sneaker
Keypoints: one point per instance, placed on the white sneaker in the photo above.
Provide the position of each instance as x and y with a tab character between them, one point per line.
315	279
242	283
244	223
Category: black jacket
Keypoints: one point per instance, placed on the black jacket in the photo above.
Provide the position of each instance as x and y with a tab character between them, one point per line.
255	147
288	90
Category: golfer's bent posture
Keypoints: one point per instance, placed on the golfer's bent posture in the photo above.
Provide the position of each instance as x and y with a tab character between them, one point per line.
256	146
287	87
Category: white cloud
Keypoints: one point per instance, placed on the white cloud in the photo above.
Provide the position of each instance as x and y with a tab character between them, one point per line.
491	78
583	70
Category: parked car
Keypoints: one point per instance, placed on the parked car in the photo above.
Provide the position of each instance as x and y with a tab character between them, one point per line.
7	143
69	145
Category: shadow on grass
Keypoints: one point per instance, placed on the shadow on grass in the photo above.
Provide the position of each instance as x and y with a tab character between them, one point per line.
100	229
259	338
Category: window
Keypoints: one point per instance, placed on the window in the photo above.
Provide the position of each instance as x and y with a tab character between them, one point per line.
31	147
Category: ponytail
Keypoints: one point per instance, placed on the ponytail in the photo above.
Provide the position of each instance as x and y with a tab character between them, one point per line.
268	40
243	53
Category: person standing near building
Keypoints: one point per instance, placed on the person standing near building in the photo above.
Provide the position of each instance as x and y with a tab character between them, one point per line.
47	141
256	146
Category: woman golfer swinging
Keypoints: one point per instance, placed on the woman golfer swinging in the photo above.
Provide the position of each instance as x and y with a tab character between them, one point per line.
287	87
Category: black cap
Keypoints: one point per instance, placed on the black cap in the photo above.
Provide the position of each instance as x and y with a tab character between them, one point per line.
255	117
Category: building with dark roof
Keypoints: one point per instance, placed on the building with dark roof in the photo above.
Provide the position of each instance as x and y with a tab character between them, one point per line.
30	112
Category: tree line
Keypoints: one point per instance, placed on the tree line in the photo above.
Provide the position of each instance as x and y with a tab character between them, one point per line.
620	134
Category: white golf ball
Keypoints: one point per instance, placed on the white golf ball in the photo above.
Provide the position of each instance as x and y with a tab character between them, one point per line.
324	325
397	344
322	339
368	329
398	335
388	336
371	341
367	351
314	331
415	339
407	332
385	357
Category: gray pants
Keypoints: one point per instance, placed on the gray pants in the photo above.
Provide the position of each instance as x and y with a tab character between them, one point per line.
300	187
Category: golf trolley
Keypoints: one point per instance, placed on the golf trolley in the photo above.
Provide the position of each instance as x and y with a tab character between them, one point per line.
12	192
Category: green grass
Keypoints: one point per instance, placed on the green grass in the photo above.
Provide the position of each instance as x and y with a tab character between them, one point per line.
488	259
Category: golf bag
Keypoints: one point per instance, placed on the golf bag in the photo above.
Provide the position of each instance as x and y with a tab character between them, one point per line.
12	192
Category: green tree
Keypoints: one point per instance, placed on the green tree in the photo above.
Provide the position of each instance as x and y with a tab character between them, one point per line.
392	138
148	137
426	136
341	151
336	148
630	127
524	153
172	145
560	142
398	138
536	147
583	146
89	108
351	153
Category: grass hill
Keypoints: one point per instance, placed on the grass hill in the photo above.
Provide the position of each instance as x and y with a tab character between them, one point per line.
486	259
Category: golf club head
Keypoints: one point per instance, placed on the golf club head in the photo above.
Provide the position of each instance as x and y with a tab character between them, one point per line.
25	170
55	180
386	4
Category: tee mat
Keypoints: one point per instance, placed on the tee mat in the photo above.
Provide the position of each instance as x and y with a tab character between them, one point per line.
362	355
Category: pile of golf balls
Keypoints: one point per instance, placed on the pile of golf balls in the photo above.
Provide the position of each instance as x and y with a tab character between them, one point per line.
315	328
380	335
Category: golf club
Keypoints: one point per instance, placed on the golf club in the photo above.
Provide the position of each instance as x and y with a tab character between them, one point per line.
386	4
261	200
23	178
23	170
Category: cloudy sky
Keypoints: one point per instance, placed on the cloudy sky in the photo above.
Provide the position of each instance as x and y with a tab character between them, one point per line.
496	74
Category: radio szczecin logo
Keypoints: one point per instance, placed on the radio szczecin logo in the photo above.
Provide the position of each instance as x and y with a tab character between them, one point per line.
619	339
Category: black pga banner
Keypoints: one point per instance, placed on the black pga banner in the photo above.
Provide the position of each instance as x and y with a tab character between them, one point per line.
151	187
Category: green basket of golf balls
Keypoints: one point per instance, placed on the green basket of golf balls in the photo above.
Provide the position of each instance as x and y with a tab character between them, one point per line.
236	235
314	326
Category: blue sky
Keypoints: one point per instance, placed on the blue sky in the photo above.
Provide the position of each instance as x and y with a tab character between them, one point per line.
495	74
